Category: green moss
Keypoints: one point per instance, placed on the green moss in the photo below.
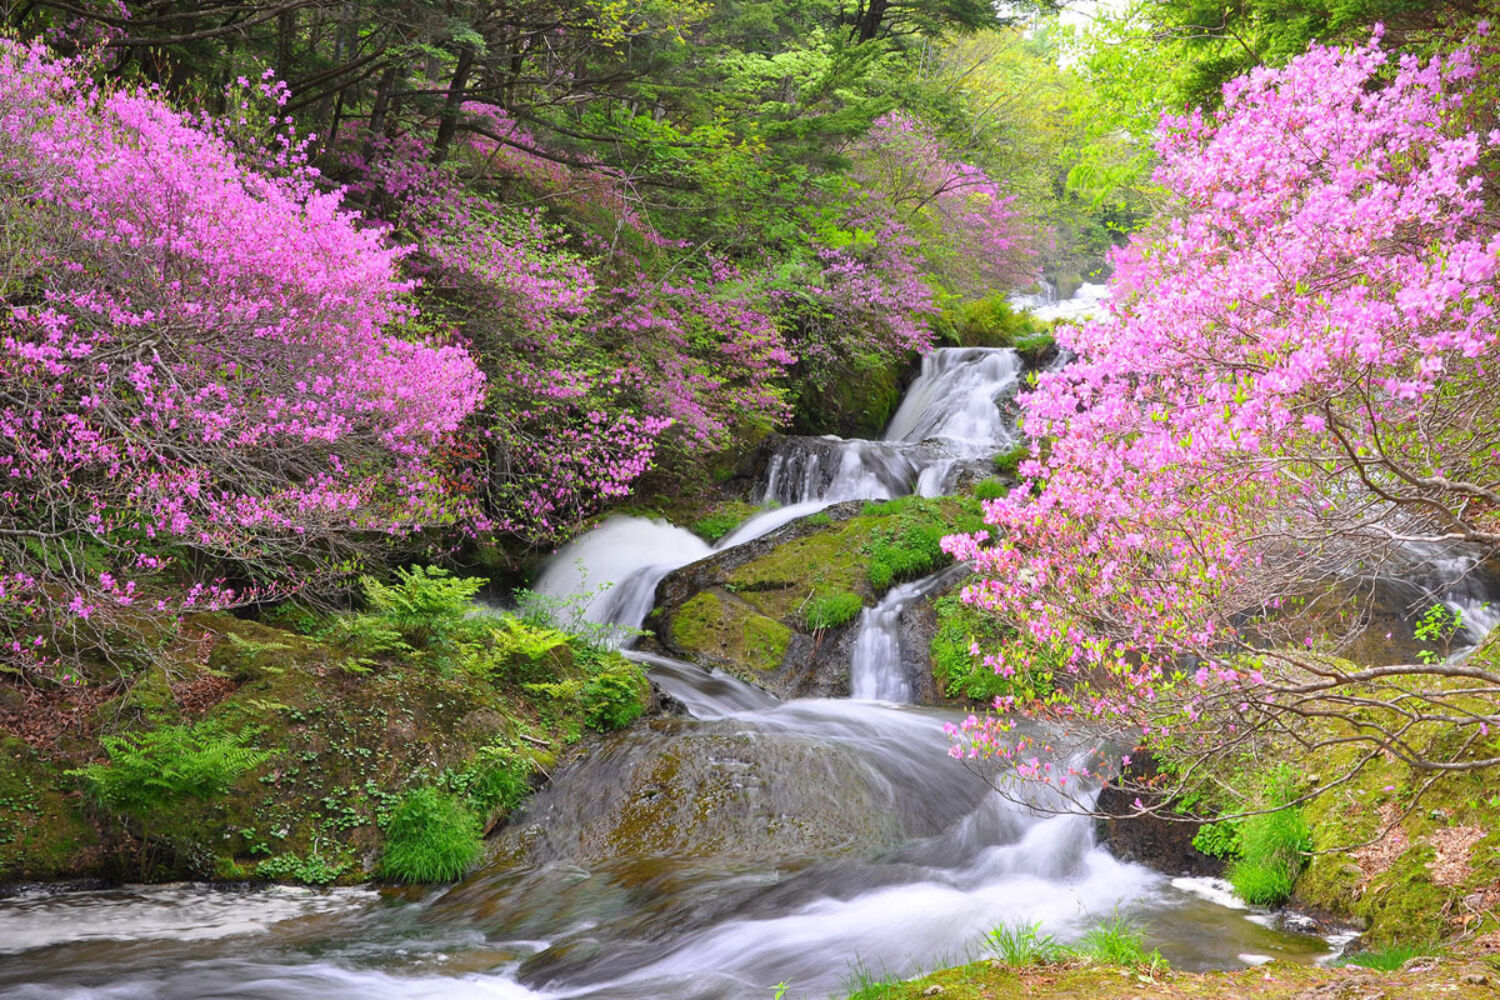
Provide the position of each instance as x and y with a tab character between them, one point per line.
1402	903
43	831
730	630
831	610
858	403
722	520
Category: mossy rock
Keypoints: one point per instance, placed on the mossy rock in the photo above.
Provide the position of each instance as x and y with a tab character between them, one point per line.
746	610
723	628
44	833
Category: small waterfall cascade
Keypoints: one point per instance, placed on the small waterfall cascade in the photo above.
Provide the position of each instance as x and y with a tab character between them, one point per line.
950	415
955	400
709	856
1086	303
1454	575
877	667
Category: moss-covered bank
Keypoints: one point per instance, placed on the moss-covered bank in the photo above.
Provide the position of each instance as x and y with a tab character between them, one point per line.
777	611
1467	976
271	755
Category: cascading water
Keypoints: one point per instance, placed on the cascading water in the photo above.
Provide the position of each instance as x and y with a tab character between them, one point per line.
697	859
711	857
950	415
876	669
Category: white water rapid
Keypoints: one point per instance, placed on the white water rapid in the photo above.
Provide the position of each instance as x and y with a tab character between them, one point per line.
706	857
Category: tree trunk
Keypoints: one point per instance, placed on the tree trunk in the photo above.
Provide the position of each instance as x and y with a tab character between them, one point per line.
453	106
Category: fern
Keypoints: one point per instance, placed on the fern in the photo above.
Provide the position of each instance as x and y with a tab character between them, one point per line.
516	637
427	605
147	772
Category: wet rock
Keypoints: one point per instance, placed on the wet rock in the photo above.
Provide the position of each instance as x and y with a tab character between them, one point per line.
1295	922
682	791
1165	844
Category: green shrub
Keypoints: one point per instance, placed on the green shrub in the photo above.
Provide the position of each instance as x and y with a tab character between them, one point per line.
990	489
149	772
1024	944
1273	846
1218	840
615	696
1034	346
1008	462
1116	941
430	837
831	610
990	322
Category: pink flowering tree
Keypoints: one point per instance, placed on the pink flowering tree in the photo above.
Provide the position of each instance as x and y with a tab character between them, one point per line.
209	393
1297	387
964	225
602	362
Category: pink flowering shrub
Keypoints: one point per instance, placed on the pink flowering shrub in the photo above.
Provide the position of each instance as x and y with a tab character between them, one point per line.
1299	376
597	368
203	371
963	224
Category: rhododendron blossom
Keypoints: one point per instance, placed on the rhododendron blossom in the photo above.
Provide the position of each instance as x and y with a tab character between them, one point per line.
196	357
1299	370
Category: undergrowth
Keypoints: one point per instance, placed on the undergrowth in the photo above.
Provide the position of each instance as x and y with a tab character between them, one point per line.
831	610
1268	850
430	837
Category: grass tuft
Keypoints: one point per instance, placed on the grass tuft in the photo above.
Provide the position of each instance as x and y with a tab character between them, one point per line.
430	837
831	610
1024	944
1273	847
1117	941
1390	958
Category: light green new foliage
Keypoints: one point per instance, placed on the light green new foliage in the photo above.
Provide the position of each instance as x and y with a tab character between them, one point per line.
430	837
1024	944
148	772
1116	941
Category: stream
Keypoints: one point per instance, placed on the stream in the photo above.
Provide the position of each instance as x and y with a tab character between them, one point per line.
749	843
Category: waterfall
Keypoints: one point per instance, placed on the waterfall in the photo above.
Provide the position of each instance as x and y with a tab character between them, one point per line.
951	415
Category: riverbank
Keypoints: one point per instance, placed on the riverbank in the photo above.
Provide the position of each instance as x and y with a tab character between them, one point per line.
1470	973
271	755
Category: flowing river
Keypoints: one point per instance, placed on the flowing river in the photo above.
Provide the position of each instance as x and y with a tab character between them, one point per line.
750	843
